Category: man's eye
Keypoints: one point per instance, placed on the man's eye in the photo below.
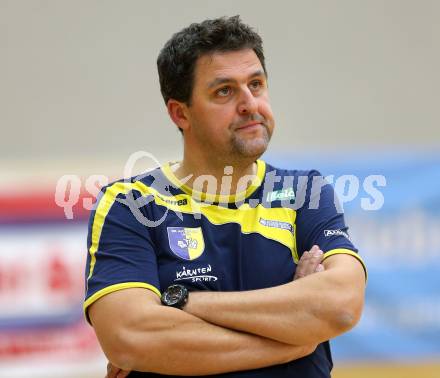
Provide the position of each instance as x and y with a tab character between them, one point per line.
256	84
223	92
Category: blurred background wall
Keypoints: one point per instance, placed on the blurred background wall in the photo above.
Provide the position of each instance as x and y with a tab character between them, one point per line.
354	87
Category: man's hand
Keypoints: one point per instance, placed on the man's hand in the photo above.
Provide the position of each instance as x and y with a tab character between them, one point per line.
115	372
310	262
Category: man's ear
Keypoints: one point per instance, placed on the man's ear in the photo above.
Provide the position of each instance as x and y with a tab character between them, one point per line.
178	112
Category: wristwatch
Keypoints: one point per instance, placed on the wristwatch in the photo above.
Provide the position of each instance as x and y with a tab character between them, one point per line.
175	296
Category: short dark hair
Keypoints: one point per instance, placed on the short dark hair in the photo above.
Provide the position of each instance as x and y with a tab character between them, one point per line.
177	59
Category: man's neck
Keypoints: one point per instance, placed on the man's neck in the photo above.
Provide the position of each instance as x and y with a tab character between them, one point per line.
229	177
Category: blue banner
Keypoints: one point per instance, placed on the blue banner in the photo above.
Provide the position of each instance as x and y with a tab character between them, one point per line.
392	205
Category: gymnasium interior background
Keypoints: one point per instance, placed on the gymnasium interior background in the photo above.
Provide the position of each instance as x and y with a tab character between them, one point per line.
354	87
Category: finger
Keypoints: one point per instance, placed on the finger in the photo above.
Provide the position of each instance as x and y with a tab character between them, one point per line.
316	259
113	374
300	268
314	249
112	371
305	256
309	262
312	262
123	374
319	268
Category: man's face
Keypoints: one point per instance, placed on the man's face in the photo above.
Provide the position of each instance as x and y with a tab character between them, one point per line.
230	114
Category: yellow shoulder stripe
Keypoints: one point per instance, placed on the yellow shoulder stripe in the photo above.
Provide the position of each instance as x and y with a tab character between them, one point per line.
345	251
102	209
116	287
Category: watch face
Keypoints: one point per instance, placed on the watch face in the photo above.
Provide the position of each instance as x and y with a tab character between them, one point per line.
173	295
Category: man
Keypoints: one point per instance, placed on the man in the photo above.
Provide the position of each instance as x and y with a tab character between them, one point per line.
213	265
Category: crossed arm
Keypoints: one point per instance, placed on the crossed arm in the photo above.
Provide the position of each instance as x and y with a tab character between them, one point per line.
229	331
143	335
306	311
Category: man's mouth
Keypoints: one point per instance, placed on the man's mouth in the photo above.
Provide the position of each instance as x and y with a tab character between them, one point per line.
250	125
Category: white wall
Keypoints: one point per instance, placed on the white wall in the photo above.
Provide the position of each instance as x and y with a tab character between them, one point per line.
79	81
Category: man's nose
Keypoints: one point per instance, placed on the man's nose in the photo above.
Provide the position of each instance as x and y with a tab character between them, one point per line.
247	103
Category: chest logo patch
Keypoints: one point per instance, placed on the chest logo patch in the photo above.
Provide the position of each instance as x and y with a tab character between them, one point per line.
281	195
186	243
277	224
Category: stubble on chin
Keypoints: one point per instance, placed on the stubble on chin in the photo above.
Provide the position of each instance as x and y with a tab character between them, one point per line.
250	147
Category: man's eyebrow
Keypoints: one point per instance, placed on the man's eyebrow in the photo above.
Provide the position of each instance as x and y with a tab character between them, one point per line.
222	80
